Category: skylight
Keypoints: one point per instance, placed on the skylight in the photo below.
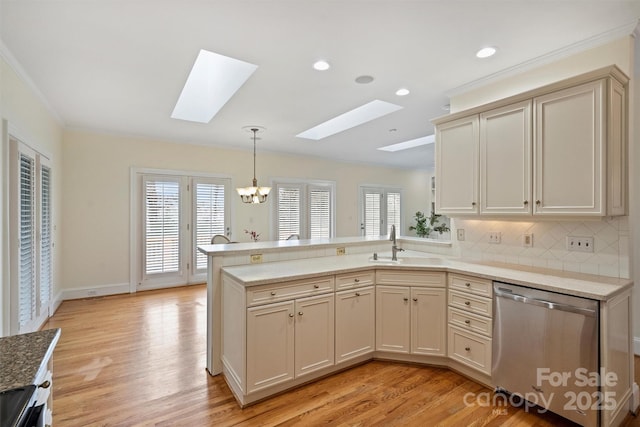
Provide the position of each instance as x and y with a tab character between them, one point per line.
213	80
429	139
350	119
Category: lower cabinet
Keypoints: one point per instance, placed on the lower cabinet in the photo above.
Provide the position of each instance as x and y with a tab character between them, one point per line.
411	319
288	340
355	323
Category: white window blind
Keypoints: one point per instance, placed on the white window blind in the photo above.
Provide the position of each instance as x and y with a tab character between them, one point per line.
288	211
319	213
27	257
162	225
210	216
372	216
46	260
393	211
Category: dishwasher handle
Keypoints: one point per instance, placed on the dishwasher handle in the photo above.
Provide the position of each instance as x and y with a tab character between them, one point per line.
546	304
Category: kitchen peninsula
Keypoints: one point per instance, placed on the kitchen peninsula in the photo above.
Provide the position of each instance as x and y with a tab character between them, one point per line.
357	309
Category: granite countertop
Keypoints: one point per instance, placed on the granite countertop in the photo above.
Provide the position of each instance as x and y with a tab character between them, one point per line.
578	284
22	356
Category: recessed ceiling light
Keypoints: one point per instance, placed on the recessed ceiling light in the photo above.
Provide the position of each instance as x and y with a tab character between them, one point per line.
486	52
402	92
211	83
363	80
321	65
429	139
353	118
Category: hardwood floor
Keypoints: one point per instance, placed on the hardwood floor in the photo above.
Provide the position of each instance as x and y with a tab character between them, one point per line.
139	360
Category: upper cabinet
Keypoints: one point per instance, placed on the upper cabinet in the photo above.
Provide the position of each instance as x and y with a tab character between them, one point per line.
559	151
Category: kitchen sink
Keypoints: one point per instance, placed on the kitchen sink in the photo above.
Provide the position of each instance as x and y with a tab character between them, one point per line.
410	260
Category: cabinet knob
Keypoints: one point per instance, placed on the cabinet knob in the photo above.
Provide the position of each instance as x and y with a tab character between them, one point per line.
300	313
473	203
415	299
467	348
316	286
357	294
273	293
406	299
468	322
538	202
45	384
290	314
356	280
467	303
468	285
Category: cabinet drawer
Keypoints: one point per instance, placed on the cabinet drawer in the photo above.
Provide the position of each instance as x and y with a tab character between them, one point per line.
289	290
430	279
470	322
471	349
473	285
471	303
353	280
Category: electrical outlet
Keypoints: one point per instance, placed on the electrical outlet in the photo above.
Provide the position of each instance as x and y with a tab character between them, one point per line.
527	240
579	244
256	258
495	237
340	251
461	234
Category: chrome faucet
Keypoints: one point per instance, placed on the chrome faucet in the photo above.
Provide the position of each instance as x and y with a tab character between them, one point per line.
394	247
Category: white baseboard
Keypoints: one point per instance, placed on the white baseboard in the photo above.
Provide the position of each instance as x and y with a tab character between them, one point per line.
96	291
636	345
55	303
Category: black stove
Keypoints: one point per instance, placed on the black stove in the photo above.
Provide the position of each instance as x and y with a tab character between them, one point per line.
15	404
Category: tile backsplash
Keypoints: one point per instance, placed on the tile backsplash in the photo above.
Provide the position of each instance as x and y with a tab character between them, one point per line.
609	258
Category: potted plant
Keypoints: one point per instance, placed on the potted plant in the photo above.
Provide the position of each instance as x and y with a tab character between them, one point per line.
427	224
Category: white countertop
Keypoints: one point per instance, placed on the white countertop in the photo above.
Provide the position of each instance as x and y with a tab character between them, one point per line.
578	284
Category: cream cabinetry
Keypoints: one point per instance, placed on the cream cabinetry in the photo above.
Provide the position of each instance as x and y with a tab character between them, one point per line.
355	322
411	319
470	316
559	150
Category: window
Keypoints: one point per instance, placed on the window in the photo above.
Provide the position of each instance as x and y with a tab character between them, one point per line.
381	208
304	208
177	214
30	215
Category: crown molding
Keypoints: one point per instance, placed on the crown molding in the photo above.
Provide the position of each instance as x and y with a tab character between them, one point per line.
11	60
633	29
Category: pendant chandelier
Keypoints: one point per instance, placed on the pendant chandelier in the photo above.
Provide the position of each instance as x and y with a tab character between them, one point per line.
254	194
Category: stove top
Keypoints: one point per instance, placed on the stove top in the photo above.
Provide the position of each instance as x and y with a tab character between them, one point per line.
13	404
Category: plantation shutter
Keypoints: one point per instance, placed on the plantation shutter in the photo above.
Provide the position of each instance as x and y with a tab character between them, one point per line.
162	225
210	216
319	213
27	248
372	217
46	276
288	211
393	211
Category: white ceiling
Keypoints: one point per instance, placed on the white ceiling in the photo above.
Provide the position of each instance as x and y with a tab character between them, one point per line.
119	65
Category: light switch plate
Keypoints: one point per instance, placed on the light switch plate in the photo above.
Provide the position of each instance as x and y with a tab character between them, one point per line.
495	237
461	234
340	251
256	258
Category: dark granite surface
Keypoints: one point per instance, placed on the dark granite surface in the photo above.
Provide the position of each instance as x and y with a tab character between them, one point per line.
21	356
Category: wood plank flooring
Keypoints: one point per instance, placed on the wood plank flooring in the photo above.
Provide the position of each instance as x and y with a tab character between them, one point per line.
139	360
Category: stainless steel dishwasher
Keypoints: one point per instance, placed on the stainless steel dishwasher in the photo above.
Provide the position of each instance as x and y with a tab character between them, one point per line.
545	350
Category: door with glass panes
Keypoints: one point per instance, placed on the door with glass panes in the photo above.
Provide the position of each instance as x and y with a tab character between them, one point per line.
380	210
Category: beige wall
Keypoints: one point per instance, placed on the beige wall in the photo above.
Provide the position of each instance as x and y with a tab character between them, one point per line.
30	121
96	199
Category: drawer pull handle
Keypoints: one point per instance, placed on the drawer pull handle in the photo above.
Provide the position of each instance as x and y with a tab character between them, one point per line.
300	313
45	384
273	293
316	286
467	349
357	294
290	314
467	303
468	322
406	299
415	299
468	285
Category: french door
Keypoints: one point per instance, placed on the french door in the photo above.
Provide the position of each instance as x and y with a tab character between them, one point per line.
31	272
177	213
380	209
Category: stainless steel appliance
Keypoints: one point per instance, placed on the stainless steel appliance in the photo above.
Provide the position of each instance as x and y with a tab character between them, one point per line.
545	350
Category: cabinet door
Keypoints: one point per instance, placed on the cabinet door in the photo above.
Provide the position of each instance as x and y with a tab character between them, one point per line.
569	152
428	321
270	346
392	318
505	160
314	343
355	323
457	145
